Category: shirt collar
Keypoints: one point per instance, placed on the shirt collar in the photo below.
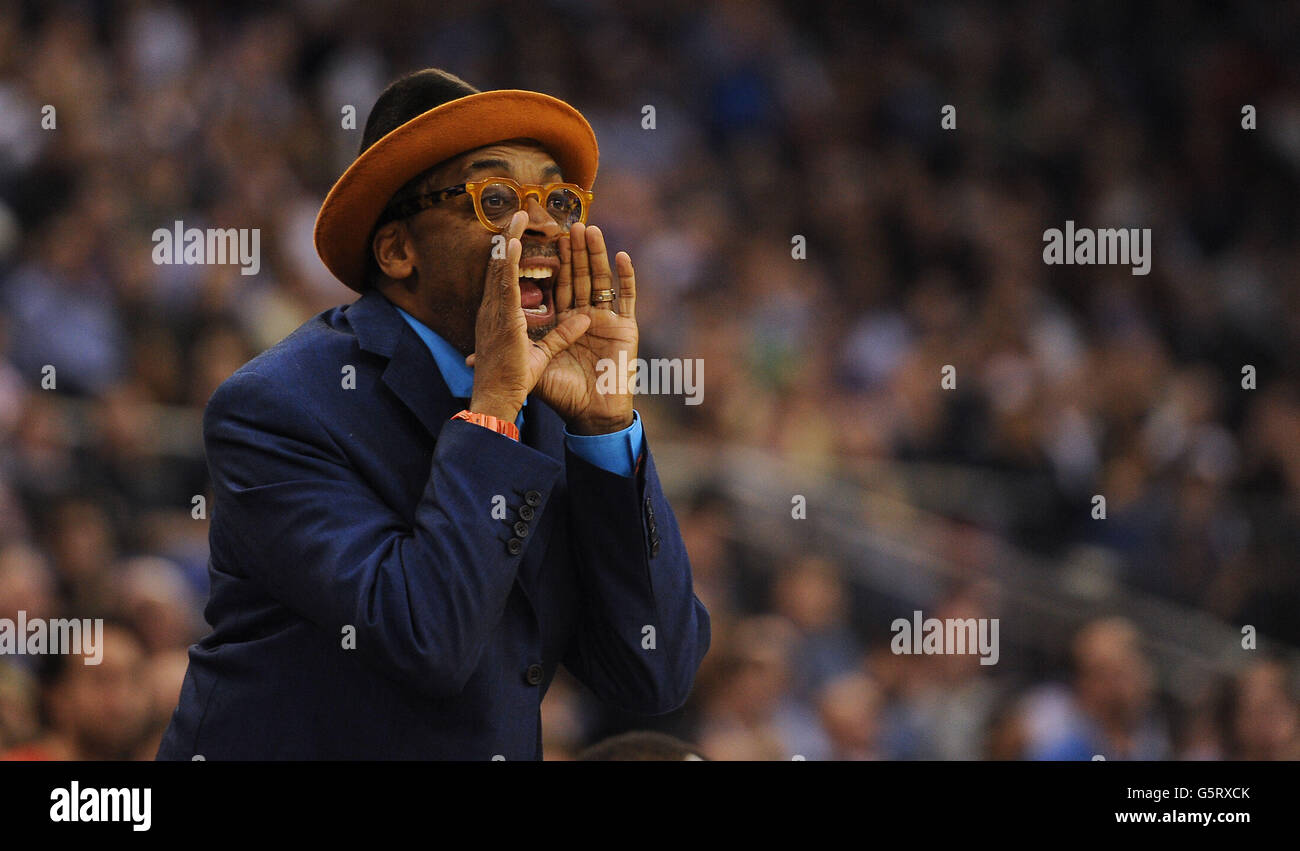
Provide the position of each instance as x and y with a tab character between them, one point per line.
459	377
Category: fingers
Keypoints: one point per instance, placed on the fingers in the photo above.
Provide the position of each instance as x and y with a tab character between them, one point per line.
560	338
510	298
502	290
581	267
626	285
564	283
598	258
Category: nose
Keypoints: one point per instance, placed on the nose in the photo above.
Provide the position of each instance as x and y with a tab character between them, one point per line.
540	222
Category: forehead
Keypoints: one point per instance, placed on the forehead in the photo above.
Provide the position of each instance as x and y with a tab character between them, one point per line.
523	159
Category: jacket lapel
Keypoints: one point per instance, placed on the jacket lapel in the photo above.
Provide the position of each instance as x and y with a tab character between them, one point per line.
412	374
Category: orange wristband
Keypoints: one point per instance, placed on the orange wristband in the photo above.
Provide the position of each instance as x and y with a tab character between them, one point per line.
500	426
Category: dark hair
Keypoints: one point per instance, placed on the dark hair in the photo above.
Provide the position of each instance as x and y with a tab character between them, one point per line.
405	98
52	668
640	746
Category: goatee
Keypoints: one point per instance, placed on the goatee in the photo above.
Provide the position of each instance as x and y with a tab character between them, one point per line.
536	334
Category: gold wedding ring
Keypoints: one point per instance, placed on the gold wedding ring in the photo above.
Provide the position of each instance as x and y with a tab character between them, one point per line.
598	296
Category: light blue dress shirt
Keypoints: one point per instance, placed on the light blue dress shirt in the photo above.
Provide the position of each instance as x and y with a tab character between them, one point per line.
616	452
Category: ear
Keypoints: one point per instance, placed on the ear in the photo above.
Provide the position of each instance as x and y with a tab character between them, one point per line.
393	251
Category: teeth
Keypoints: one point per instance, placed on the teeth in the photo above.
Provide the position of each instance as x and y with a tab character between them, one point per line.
536	272
537	311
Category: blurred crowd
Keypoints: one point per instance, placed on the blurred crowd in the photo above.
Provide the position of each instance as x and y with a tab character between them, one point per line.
772	120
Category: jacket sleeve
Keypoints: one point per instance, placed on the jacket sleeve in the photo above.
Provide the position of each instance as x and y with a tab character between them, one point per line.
643	633
423	598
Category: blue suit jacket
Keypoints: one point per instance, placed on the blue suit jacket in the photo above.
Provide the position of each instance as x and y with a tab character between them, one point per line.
370	600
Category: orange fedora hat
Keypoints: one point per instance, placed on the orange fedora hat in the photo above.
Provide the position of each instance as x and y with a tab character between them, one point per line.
353	205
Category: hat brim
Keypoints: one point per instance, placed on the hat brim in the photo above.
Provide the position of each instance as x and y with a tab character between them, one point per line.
353	206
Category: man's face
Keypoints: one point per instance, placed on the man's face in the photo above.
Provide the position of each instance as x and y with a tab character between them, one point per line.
103	707
448	248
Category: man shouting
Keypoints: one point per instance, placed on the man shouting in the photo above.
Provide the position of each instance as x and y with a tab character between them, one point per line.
421	503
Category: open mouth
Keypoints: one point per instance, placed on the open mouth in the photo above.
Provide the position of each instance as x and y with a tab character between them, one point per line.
536	294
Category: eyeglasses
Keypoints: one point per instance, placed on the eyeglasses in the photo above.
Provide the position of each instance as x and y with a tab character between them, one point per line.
496	199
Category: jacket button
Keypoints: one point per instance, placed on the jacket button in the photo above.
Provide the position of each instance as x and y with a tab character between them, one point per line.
515	546
521	528
534	675
533	498
526	512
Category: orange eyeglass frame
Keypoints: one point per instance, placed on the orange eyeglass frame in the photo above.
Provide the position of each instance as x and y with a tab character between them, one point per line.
474	189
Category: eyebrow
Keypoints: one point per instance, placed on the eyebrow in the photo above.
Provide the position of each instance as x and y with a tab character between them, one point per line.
550	171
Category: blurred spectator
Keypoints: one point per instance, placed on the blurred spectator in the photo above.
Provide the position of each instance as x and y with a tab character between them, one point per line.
641	746
742	705
849	707
161	680
949	704
1108	711
563	724
812	596
1263	719
155	600
81	541
95	711
26	583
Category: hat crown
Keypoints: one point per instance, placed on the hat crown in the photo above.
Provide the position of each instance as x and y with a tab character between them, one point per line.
408	97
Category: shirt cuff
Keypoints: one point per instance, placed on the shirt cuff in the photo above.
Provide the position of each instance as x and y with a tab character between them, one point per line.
616	452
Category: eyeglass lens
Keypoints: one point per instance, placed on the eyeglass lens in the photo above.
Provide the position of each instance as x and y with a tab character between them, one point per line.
500	201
